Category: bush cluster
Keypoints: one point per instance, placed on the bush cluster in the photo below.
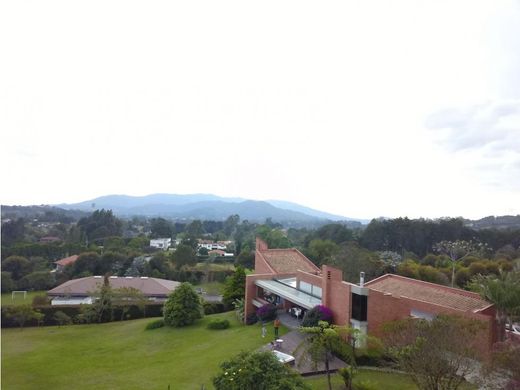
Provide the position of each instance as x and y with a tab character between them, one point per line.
155	324
218	323
215	307
316	314
76	313
266	312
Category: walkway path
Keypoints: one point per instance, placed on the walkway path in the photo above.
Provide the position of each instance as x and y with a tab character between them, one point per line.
291	342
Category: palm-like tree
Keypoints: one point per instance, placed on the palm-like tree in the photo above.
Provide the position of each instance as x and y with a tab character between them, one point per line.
504	292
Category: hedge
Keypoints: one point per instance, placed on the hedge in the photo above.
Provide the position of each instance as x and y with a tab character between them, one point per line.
218	323
151	310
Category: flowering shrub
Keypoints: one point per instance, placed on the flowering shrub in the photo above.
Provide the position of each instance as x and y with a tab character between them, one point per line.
316	314
267	312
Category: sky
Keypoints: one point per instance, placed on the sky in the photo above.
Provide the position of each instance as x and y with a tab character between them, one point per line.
358	108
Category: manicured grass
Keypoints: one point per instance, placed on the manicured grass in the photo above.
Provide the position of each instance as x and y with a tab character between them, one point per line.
122	355
381	380
18	298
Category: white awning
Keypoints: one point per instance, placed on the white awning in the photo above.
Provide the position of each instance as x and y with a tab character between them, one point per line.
289	293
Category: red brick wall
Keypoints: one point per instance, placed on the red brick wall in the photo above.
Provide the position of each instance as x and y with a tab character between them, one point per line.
336	294
251	291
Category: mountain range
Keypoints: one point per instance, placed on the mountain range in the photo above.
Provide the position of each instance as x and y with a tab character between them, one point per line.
207	207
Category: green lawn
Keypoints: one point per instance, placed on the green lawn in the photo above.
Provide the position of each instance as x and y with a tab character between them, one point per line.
121	355
212	288
18	299
381	380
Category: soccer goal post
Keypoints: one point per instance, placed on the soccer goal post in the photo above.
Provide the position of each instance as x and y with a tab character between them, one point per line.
13	294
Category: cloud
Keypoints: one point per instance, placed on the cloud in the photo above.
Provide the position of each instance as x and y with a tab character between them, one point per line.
485	136
492	127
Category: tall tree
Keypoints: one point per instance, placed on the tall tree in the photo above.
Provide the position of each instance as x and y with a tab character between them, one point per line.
436	353
100	224
235	286
182	307
257	371
322	343
502	290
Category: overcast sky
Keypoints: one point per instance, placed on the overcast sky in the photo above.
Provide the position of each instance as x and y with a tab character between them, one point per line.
359	108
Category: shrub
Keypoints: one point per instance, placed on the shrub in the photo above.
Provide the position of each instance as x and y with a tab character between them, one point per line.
183	306
251	319
344	373
40	300
155	324
316	314
61	318
267	312
214	307
218	323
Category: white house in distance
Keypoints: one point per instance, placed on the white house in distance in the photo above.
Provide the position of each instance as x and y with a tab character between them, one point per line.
80	291
161	243
210	245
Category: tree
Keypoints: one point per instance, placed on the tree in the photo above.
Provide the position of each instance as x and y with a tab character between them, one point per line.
505	357
183	255
102	307
322	343
18	266
322	251
126	297
240	305
7	282
86	262
22	313
436	353
235	286
100	224
13	231
504	292
457	251
160	227
41	280
257	371
182	307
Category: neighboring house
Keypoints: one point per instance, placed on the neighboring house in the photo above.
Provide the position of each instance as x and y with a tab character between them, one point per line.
161	243
210	245
80	291
221	253
61	264
288	279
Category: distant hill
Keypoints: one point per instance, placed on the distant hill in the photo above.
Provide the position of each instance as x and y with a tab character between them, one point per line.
492	222
207	206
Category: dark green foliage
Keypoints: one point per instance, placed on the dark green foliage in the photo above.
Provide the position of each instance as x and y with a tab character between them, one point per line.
13	231
155	324
246	258
61	318
40	300
184	255
100	224
235	287
214	307
7	282
73	311
334	232
275	238
21	314
161	228
218	323
321	251
18	266
41	280
257	371
352	259
183	306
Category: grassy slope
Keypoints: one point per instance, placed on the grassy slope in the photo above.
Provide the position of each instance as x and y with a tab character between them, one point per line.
120	355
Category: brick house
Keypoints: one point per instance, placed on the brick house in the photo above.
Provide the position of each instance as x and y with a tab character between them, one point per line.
288	279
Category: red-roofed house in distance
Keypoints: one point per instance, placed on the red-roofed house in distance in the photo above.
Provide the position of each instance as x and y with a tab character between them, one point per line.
293	283
62	263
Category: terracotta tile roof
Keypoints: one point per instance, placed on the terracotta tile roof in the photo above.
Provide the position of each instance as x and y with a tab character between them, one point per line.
288	261
453	298
67	260
84	286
